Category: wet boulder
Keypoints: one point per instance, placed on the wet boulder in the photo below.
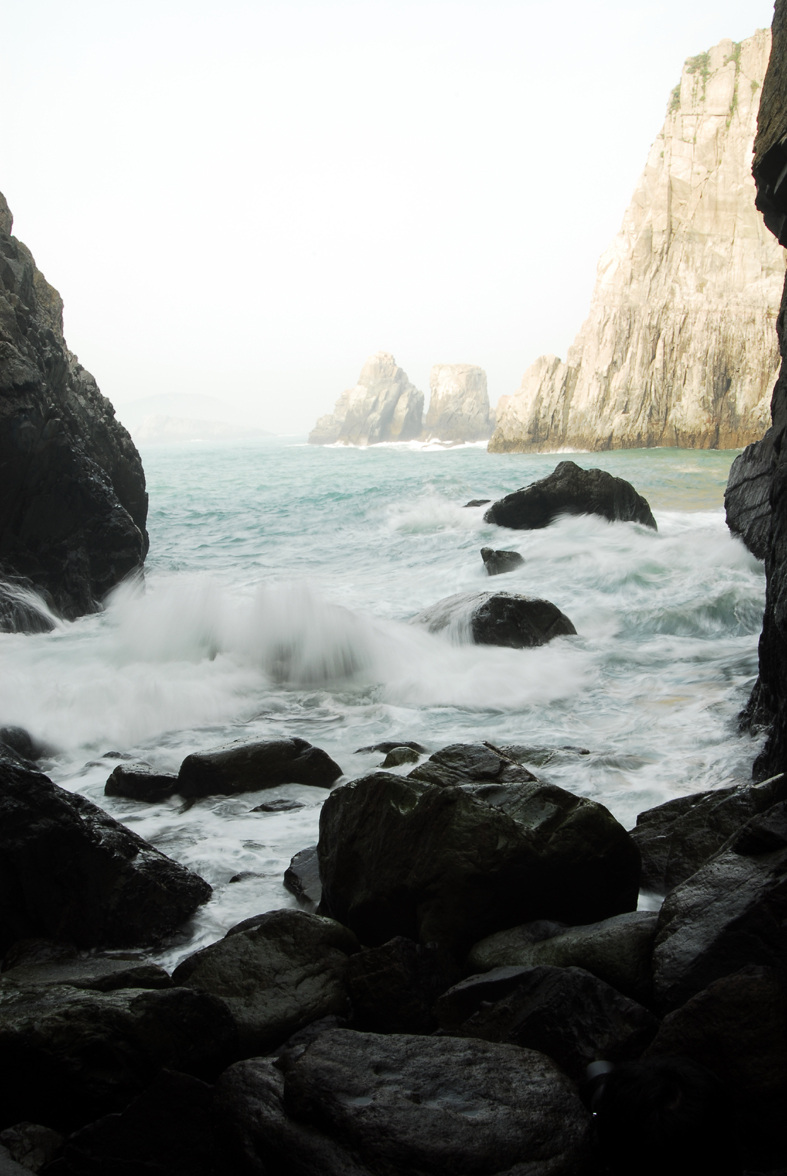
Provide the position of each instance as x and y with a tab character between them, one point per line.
302	877
247	767
393	987
566	1013
140	782
496	618
356	1104
465	763
570	490
453	864
730	913
70	871
275	973
497	563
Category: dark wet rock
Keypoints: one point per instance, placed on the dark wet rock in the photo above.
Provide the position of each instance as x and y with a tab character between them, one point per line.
728	914
617	950
69	871
276	975
678	837
478	502
302	877
167	1130
400	857
30	1145
282	805
539	757
79	970
72	492
140	782
389	745
20	744
393	987
737	1028
566	1013
76	1055
247	767
465	763
497	563
497	618
359	1104
747	496
400	755
570	490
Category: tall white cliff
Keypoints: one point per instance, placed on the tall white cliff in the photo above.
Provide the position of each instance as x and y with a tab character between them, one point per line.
383	406
458	403
679	348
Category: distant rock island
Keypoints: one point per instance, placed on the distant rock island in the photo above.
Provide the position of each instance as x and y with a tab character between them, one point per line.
73	504
679	348
385	406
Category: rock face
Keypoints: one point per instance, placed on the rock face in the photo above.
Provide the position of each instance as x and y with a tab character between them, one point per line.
678	348
757	491
459	404
72	491
383	406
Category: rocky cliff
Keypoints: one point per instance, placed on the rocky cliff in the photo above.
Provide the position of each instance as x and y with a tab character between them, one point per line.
383	406
757	490
679	347
458	404
72	491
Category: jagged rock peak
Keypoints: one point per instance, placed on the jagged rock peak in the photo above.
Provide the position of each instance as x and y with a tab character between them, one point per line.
73	504
679	347
383	406
459	403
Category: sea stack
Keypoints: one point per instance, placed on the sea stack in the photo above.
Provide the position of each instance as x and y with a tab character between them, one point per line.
73	504
383	406
679	347
459	404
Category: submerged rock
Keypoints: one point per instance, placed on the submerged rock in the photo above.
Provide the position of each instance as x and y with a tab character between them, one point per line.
70	871
248	767
570	490
73	504
497	618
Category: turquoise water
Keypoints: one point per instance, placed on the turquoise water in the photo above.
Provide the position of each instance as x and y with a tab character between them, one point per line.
279	590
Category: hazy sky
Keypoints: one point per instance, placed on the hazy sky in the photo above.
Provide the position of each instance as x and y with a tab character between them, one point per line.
245	199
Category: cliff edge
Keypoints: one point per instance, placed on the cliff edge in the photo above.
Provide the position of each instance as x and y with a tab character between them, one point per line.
678	348
73	504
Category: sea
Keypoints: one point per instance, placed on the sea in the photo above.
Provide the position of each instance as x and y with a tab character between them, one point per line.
278	600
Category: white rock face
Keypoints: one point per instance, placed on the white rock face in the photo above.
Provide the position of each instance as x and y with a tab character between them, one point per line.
459	404
679	348
383	406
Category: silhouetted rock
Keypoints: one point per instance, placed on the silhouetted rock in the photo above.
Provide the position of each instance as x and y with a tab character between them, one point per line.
497	563
570	490
248	767
140	782
496	618
470	763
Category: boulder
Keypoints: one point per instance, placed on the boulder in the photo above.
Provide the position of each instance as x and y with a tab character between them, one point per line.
393	987
73	504
248	767
140	782
458	404
678	837
728	914
358	1104
302	877
275	973
400	755
400	857
616	950
76	1055
566	1013
69	871
30	1145
383	406
496	618
464	763
497	563
570	490
389	745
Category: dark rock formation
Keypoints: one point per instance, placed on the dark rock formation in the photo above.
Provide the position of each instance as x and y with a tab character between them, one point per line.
393	987
139	782
451	865
302	877
497	618
276	973
760	473
67	966
69	871
248	767
72	492
358	1104
570	490
471	763
497	563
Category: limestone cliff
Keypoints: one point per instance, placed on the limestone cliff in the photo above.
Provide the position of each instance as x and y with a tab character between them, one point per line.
383	406
72	492
458	404
679	346
757	490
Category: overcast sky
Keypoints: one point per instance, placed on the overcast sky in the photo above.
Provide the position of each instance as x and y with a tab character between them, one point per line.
245	199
